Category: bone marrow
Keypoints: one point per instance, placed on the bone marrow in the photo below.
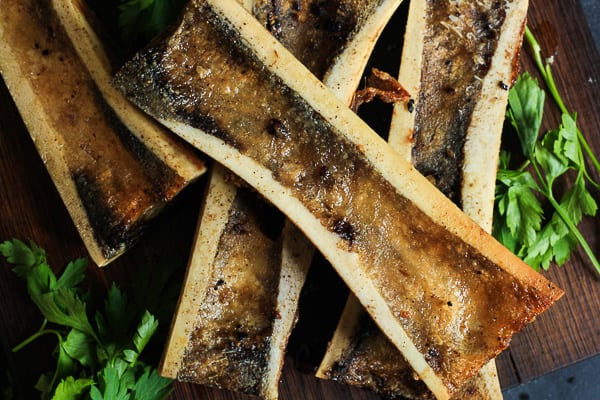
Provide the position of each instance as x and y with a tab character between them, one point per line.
381	224
460	41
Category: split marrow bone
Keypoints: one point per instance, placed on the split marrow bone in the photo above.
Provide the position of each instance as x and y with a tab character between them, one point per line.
365	359
74	16
110	181
229	344
227	86
182	360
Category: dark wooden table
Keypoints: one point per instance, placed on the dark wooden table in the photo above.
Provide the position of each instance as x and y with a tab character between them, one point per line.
30	208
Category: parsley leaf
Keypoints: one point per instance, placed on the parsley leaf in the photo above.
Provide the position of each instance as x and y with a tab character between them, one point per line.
73	274
71	388
81	347
545	70
526	112
63	306
151	386
518	205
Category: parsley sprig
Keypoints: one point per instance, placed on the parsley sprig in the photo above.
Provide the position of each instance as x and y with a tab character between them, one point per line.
520	221
99	348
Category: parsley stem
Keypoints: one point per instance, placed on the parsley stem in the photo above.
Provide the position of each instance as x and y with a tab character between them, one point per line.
524	166
547	192
546	73
41	332
584	244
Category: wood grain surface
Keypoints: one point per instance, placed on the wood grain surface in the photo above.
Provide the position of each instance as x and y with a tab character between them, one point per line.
30	209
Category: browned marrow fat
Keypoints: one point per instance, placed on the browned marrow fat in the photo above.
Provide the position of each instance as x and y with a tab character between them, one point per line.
223	83
110	181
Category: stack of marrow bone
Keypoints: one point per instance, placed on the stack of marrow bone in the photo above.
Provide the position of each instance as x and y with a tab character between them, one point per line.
220	80
113	166
457	59
240	297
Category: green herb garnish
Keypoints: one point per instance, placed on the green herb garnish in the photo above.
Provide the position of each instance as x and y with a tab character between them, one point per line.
99	348
520	222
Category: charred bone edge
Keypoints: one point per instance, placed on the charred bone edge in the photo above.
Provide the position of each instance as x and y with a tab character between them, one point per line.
481	151
343	77
178	156
389	165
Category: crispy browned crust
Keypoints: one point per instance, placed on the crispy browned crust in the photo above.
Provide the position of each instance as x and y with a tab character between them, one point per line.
386	214
110	181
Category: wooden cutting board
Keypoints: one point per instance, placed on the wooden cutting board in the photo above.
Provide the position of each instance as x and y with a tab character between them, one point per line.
30	208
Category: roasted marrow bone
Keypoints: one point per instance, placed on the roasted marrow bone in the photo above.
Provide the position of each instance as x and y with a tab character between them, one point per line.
238	293
294	253
359	352
109	180
452	47
80	25
229	344
222	82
